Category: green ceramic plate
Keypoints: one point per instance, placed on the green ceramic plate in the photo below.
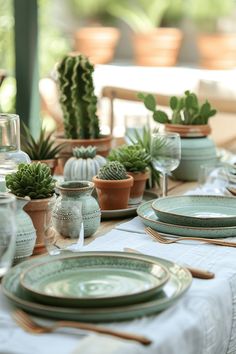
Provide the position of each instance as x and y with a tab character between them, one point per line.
128	212
197	210
93	281
178	283
149	218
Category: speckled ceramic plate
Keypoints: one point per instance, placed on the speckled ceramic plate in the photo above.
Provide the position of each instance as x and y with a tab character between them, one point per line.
196	210
93	281
178	283
149	218
128	212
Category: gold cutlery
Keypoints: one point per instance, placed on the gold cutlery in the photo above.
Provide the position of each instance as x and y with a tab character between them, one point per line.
166	240
196	272
29	325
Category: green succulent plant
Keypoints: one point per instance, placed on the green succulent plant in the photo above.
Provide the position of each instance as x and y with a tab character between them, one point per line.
32	180
39	149
77	98
85	152
113	170
133	157
144	139
186	110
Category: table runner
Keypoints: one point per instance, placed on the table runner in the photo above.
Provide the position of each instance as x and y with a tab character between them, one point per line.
203	321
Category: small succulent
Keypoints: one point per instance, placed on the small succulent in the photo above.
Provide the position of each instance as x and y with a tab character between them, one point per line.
39	149
85	152
133	157
144	139
113	170
32	180
186	110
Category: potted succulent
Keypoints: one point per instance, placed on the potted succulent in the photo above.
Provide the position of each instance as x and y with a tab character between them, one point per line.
84	164
79	107
216	46
153	45
41	149
97	37
190	119
135	160
113	186
144	139
34	181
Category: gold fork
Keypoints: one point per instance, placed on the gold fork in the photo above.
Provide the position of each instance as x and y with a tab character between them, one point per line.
165	240
29	325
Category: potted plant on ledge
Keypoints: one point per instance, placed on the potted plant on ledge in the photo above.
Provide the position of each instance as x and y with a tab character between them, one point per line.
135	160
113	186
34	181
79	107
190	119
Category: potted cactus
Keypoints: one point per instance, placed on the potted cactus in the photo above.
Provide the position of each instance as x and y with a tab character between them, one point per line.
34	181
79	107
84	164
113	186
190	119
135	160
41	149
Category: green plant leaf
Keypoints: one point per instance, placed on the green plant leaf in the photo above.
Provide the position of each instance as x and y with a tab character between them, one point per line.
160	117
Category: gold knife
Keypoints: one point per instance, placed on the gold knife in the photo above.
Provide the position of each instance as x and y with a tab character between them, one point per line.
196	272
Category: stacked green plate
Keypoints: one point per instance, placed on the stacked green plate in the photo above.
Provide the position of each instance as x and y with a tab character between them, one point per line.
167	290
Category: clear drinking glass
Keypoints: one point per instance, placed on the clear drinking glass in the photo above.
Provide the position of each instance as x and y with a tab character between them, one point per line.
135	122
64	230
166	154
7	231
214	178
10	152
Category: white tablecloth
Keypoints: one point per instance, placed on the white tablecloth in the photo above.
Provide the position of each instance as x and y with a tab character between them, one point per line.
202	322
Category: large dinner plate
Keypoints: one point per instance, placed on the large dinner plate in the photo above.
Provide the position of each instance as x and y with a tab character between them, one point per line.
197	210
149	218
93	281
178	283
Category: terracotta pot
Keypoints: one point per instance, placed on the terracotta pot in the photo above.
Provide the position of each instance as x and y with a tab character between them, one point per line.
159	47
217	51
189	131
97	43
103	146
137	190
40	213
52	163
113	194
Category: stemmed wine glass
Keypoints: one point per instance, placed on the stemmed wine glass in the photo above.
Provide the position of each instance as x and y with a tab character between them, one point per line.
166	154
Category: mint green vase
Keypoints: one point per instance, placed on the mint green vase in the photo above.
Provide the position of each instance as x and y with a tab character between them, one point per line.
194	153
26	233
81	191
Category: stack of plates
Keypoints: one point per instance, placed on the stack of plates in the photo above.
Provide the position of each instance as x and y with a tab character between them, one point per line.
199	216
96	286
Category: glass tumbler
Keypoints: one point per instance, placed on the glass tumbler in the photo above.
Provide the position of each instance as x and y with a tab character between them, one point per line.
7	231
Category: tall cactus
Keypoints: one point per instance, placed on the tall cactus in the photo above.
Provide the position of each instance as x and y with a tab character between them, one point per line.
77	98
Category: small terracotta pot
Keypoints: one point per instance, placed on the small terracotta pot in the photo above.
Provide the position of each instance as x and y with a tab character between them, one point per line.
102	144
97	43
52	163
113	194
40	213
137	190
159	47
217	51
189	131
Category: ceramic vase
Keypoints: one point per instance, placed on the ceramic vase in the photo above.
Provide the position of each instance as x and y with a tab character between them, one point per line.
26	234
72	193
